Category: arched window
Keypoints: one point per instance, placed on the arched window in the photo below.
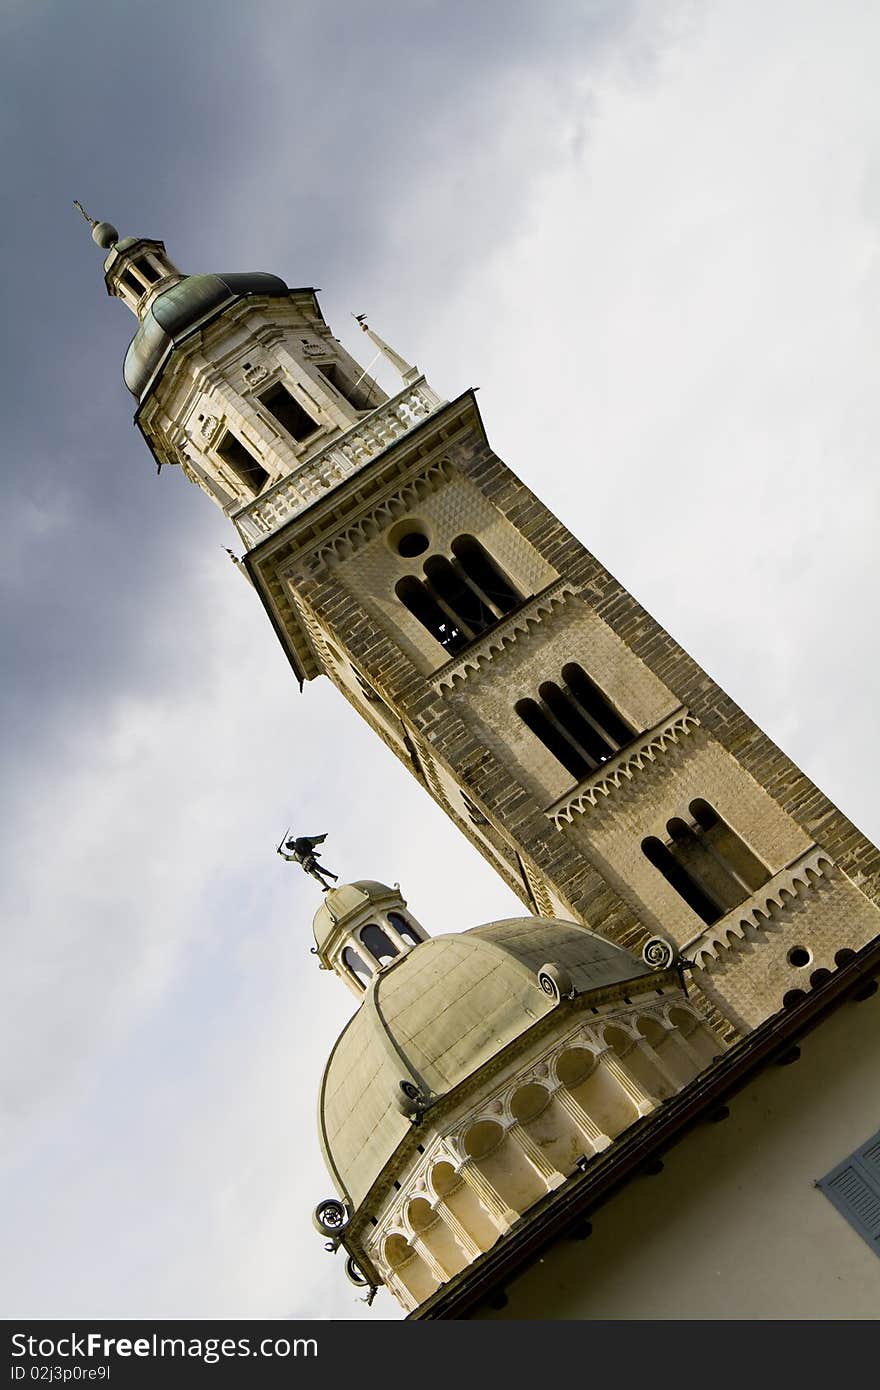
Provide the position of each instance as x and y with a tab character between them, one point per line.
404	929
133	283
554	738
379	945
149	271
576	722
461	598
453	591
414	595
240	461
483	574
723	842
286	409
358	967
706	862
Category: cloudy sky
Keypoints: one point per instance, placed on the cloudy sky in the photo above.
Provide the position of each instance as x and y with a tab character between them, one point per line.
648	232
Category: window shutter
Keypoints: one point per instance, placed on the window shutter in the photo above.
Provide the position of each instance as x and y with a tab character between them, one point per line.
854	1188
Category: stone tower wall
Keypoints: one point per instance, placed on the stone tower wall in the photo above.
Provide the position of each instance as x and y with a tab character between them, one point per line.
566	845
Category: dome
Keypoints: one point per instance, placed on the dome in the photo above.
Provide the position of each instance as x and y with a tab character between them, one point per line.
434	1017
345	901
182	309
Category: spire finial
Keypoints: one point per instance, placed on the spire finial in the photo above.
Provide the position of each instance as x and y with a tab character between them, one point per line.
408	372
91	220
104	233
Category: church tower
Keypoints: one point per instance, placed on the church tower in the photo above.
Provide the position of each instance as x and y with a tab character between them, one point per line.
606	777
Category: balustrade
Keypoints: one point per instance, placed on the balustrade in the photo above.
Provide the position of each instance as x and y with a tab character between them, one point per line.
332	465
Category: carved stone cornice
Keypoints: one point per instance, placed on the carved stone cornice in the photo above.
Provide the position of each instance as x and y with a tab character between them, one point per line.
520	622
339	460
331	523
624	766
374	522
755	917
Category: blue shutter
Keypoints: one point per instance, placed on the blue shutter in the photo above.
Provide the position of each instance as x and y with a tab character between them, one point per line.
854	1188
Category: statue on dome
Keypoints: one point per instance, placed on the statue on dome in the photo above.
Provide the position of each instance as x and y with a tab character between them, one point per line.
306	855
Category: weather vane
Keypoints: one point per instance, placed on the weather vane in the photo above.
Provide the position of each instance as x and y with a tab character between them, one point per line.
306	855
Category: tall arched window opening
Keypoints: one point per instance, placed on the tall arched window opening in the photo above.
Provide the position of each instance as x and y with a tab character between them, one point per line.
414	595
459	599
576	722
378	943
484	576
358	967
404	929
706	862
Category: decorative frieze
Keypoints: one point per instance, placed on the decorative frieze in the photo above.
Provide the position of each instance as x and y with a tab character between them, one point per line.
525	618
347	455
624	766
757	913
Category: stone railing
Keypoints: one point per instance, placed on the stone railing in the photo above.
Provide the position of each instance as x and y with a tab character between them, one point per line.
621	769
347	454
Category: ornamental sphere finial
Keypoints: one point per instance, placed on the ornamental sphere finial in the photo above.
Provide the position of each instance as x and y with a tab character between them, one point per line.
104	233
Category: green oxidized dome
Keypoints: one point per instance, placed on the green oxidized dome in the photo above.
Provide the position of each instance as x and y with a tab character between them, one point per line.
182	309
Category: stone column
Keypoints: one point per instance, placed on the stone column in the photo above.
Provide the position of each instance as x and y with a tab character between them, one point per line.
401	1292
465	1242
539	1161
436	1269
643	1102
656	1061
491	1201
687	1047
587	1126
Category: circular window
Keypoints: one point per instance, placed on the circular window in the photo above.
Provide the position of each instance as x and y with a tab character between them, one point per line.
798	956
409	538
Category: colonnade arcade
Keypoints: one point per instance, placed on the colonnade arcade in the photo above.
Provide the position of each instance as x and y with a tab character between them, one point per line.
526	1137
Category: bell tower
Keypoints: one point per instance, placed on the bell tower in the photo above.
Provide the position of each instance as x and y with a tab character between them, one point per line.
600	771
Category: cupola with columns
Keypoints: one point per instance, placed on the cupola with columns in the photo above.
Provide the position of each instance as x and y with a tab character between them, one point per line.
483	1071
361	928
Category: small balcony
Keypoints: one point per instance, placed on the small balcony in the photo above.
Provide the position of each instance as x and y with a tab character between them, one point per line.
345	456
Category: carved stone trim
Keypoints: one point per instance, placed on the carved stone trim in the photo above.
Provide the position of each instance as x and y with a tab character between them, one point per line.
528	615
344	457
793	883
621	768
374	522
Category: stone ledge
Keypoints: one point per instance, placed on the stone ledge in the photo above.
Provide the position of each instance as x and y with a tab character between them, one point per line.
620	769
504	633
796	881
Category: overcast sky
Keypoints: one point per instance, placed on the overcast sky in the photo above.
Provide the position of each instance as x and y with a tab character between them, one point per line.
648	232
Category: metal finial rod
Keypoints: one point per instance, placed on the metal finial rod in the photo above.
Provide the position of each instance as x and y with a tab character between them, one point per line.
104	234
92	221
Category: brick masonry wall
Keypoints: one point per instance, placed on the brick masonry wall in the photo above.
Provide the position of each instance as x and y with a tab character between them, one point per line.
800	798
446	746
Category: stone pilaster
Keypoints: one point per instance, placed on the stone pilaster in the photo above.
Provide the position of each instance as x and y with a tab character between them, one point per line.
547	1171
